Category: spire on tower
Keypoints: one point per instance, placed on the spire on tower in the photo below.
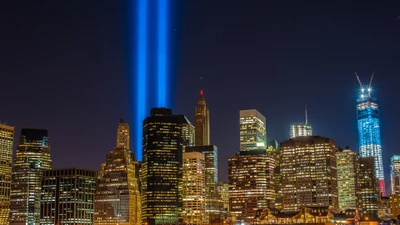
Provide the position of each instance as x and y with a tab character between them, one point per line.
305	110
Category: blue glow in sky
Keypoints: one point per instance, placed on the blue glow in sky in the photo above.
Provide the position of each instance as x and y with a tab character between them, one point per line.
162	53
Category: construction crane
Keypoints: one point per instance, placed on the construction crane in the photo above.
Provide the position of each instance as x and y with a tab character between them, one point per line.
362	88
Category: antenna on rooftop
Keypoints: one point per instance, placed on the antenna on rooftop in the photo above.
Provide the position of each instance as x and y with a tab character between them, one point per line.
305	110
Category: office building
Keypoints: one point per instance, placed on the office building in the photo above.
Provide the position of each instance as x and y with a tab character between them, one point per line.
68	197
369	136
251	184
32	158
194	188
202	122
395	174
369	188
188	134
309	176
253	130
223	191
211	159
161	170
347	172
6	152
276	154
301	129
395	206
117	199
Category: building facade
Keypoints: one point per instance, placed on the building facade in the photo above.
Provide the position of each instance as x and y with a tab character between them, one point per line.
194	188
300	130
251	184
202	122
117	199
211	162
68	197
32	158
369	136
395	174
347	172
6	152
309	175
161	170
223	191
253	130
369	188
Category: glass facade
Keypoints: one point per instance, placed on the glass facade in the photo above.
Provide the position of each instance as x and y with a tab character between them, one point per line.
6	152
253	130
161	170
300	130
395	174
32	158
369	136
369	188
68	197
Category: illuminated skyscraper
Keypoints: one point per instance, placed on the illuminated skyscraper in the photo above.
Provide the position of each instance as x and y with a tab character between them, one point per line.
123	137
32	158
301	129
223	191
68	197
194	188
188	133
253	133
211	159
395	174
347	171
117	199
251	184
6	151
369	188
309	176
161	170
202	122
369	136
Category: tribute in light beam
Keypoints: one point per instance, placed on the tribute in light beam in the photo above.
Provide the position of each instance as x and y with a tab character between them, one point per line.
141	74
162	53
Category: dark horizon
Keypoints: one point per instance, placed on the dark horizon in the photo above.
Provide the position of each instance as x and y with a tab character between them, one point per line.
64	68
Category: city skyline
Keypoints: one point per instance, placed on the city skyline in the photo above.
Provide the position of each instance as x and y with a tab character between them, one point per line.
322	74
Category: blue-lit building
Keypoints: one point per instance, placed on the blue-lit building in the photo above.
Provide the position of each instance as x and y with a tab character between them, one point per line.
369	135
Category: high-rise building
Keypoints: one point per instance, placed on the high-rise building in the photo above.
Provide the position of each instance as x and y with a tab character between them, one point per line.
123	135
223	191
309	176
68	196
6	151
161	170
347	173
251	184
276	154
202	122
369	135
194	188
32	158
395	206
117	199
253	134
188	134
301	129
395	174
211	159
369	188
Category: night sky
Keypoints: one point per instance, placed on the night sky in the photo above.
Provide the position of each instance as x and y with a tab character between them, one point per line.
64	67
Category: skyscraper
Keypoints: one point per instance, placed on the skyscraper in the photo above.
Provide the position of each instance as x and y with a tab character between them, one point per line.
308	170
117	199
194	188
251	184
301	129
202	122
223	191
161	170
68	196
6	151
369	136
395	174
347	171
253	134
32	158
369	188
211	159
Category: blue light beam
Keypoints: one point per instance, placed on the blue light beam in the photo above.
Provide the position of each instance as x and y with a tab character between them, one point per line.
162	53
141	74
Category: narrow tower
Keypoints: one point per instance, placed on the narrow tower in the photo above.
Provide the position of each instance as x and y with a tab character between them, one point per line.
202	122
369	134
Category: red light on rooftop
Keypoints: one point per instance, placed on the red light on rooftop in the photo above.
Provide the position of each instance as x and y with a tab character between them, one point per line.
201	92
